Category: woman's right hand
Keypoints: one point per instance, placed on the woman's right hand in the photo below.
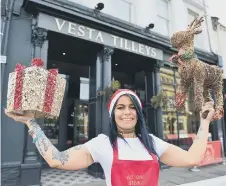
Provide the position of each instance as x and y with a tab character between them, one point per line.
20	118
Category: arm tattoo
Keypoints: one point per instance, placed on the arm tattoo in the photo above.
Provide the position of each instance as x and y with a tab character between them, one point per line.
47	149
60	156
34	127
43	145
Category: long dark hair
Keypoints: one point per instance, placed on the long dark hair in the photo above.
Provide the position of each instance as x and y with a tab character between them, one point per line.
140	128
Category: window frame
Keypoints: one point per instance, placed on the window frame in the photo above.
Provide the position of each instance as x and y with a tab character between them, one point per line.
168	18
200	37
131	10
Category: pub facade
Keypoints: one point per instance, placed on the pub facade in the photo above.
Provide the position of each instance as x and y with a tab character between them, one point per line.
89	48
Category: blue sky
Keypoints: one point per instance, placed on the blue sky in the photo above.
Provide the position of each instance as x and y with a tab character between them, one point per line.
217	8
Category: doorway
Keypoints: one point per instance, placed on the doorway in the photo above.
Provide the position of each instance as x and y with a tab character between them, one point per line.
73	58
77	129
135	72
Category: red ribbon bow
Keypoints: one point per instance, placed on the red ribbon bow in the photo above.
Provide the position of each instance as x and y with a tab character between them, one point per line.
19	67
53	71
178	56
37	62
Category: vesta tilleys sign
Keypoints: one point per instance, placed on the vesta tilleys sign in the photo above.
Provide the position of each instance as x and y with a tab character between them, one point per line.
97	36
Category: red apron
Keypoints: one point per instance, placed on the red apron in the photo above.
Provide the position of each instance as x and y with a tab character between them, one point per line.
134	172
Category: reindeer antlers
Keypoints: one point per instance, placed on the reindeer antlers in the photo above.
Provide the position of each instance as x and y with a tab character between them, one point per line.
195	24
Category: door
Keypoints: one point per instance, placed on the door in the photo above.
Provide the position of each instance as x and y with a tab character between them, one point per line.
80	123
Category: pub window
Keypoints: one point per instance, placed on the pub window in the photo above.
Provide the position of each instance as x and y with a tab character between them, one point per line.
200	37
180	126
125	10
162	17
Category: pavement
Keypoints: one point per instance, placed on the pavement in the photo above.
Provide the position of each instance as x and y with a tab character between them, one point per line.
219	181
168	177
179	176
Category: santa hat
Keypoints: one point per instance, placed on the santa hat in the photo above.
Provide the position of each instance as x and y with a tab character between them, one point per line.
117	95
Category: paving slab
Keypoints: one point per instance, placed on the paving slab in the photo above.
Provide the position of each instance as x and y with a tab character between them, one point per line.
168	177
219	181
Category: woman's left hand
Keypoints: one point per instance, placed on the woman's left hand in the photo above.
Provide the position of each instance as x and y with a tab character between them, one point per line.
208	106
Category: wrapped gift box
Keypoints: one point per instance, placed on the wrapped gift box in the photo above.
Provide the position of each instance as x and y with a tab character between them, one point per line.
35	90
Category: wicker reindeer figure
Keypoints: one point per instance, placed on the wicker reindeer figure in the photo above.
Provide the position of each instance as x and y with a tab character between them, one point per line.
203	77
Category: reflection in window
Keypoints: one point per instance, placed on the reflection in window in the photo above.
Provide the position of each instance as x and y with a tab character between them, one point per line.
84	88
125	10
162	18
51	130
198	38
81	123
184	122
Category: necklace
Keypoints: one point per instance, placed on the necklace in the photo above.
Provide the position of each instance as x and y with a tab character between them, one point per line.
127	134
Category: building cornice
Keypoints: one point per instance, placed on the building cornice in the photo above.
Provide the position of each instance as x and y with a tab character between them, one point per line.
196	3
73	11
78	13
222	28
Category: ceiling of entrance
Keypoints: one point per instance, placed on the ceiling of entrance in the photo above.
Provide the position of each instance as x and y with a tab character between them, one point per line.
129	62
68	49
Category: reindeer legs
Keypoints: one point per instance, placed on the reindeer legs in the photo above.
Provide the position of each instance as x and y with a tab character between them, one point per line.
207	97
219	110
180	96
198	93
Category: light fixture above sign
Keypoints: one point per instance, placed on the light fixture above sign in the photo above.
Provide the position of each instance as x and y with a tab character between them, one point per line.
100	6
150	26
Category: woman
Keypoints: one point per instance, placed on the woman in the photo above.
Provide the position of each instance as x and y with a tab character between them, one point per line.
129	155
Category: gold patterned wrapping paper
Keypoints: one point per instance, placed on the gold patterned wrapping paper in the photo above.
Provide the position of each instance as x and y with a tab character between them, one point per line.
35	90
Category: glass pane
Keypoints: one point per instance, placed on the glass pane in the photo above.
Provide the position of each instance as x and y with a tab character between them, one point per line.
169	116
51	130
140	86
185	123
162	27
80	123
162	8
77	118
191	117
123	10
135	82
198	41
180	127
84	88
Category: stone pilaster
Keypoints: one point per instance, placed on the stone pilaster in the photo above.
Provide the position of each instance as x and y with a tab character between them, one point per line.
39	35
106	80
31	167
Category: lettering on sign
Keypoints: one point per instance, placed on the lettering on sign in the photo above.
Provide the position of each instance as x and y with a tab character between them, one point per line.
94	35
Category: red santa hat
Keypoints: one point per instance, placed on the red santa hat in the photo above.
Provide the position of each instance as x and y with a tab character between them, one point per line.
117	95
